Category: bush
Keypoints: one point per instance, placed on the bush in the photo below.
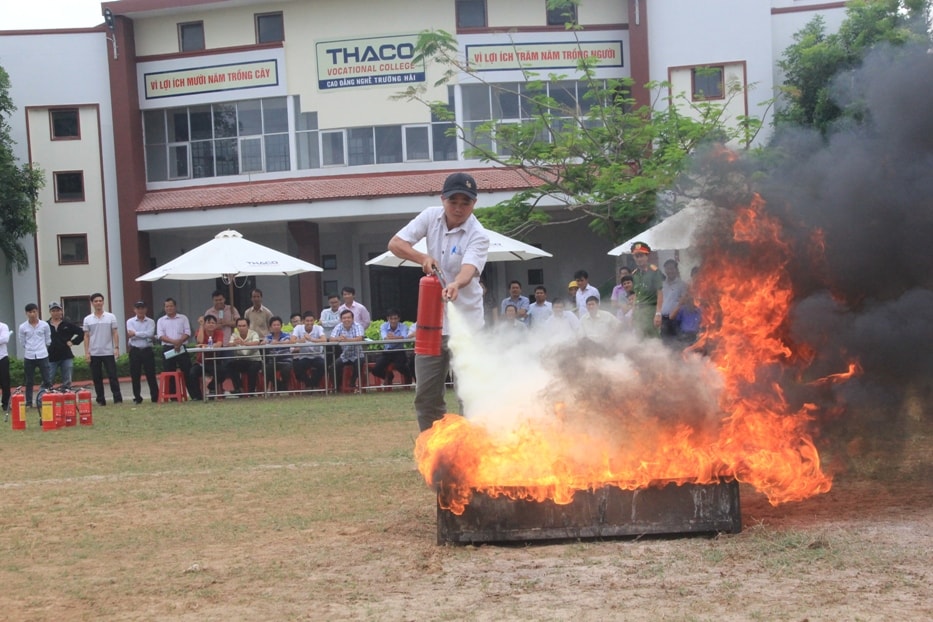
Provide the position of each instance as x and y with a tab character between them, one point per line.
82	372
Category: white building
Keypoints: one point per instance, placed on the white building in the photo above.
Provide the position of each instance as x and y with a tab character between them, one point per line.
277	118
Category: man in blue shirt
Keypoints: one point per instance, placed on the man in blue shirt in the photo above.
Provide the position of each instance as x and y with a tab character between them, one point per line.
394	355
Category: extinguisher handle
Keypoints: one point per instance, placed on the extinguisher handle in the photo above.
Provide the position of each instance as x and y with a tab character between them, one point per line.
440	276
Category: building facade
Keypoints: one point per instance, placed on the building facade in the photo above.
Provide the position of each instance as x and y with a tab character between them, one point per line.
280	119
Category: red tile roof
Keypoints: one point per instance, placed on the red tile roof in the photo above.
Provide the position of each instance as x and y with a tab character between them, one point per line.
325	188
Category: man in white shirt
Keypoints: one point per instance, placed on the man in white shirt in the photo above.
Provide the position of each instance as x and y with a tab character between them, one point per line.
360	313
173	331
5	368
101	348
35	337
457	245
584	291
140	332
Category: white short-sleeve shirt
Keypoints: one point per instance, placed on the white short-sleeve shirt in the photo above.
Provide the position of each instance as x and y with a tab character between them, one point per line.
466	244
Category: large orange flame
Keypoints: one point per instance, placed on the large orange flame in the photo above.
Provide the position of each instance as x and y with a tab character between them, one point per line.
756	440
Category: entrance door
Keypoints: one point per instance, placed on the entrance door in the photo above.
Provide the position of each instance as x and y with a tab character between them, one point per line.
394	288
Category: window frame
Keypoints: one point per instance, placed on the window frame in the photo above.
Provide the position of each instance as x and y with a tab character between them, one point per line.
695	95
58	199
79	303
458	4
256	19
53	135
77	262
556	18
181	39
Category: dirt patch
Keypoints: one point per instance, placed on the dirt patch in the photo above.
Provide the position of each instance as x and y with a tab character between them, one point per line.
326	519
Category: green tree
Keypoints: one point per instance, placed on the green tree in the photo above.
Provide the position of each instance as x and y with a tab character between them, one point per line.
595	152
815	57
19	188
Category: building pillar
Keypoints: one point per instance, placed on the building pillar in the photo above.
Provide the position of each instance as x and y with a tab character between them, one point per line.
307	238
638	50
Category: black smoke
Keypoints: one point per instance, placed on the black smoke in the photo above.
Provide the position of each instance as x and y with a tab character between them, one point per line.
866	193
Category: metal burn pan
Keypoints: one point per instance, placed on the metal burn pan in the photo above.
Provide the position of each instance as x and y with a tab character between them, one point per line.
602	513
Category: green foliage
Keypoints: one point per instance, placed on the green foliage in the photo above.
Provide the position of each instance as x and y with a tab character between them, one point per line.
81	373
19	188
602	156
815	58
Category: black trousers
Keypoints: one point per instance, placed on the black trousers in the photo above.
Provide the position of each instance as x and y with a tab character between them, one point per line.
5	381
143	359
396	358
98	364
315	366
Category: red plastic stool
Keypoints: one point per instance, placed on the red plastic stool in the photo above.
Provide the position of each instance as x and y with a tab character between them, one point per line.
165	385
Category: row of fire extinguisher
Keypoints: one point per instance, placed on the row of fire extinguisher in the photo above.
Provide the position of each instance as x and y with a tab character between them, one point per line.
59	409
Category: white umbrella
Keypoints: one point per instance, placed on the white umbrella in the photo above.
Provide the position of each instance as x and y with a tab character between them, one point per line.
501	248
229	255
672	233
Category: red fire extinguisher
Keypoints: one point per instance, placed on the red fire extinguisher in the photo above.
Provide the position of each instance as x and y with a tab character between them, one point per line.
70	408
430	316
84	407
18	409
49	405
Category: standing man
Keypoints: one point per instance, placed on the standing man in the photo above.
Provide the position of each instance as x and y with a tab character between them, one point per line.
140	331
64	335
101	348
35	337
584	291
173	331
258	315
5	369
517	300
457	244
360	313
225	314
647	281
673	293
540	310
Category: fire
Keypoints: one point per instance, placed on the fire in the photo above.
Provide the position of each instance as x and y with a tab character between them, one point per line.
754	436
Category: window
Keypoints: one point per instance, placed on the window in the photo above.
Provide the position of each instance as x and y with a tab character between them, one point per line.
270	27
536	276
471	13
65	123
72	249
331	288
329	262
332	151
560	13
69	186
191	36
417	143
76	308
215	140
707	82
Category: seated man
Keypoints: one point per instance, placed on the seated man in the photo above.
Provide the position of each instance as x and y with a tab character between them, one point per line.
309	357
511	324
597	325
246	359
208	334
562	321
278	359
346	333
394	353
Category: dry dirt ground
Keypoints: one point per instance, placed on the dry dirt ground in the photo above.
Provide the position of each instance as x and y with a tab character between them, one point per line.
299	526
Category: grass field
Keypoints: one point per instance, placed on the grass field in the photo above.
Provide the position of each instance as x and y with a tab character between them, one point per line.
311	509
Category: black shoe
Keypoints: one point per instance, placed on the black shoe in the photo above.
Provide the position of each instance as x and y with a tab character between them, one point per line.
119	401
101	402
138	400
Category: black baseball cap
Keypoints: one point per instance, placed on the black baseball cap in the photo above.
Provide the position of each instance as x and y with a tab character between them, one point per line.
139	303
459	183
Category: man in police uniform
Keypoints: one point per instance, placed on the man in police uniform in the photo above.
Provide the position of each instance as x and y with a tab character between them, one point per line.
646	317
